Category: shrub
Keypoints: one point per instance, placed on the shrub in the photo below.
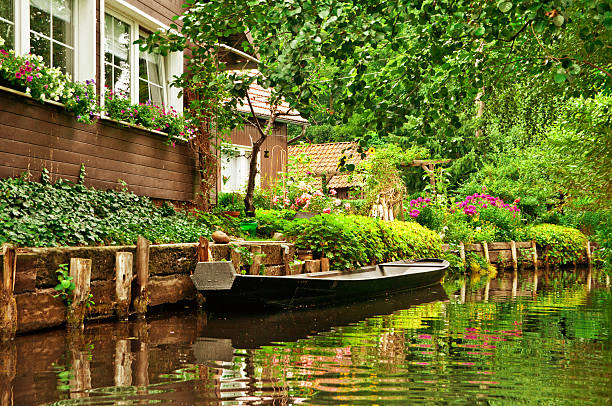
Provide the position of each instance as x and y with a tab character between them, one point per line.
560	245
351	241
64	213
271	221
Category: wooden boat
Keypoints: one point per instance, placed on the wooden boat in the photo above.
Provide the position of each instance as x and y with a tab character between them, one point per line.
224	289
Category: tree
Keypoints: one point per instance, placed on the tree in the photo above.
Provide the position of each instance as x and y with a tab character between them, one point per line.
417	63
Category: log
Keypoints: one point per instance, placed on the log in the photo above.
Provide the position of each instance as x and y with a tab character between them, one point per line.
8	305
324	264
588	252
170	289
39	310
286	259
141	301
80	272
313	265
123	283
514	257
256	260
25	281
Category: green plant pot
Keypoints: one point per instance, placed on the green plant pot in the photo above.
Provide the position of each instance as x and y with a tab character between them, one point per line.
249	227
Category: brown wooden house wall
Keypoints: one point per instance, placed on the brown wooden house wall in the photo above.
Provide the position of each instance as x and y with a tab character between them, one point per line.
35	136
276	144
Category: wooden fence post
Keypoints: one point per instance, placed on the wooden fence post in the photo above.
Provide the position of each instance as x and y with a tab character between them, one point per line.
123	363
256	260
141	301
514	256
123	282
80	271
534	253
80	379
286	260
485	248
8	305
236	259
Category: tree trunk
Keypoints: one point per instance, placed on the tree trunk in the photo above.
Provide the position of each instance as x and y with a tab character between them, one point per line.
249	206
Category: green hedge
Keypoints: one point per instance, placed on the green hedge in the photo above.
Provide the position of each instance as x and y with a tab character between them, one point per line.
64	213
351	241
561	245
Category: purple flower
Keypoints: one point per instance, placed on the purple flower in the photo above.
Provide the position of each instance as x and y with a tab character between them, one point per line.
414	213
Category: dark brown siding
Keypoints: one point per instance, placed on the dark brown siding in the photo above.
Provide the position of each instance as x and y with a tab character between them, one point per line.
275	144
35	136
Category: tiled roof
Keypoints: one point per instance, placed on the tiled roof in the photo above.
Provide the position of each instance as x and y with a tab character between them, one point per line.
260	98
324	159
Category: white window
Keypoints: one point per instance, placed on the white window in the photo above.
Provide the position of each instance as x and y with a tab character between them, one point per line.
235	168
141	75
57	30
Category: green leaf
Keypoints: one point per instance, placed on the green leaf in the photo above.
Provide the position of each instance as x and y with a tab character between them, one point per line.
324	13
479	32
504	6
65	283
558	20
559	77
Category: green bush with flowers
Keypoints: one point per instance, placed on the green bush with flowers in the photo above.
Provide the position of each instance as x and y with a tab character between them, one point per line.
29	74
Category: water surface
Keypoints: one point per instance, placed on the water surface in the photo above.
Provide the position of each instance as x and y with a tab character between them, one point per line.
513	339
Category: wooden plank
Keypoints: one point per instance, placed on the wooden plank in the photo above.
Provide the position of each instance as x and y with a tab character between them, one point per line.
80	271
142	275
204	254
499	246
39	310
170	289
123	282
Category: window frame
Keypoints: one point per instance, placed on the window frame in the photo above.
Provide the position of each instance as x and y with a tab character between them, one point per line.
164	82
242	150
140	23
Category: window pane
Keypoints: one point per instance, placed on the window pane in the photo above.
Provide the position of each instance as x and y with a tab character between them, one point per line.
6	32
143	91
122	80
108	38
62	58
156	94
62	27
6	10
42	47
40	17
108	76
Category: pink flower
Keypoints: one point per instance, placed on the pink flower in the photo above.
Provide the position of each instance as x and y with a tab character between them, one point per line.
414	213
347	206
333	192
275	200
327	210
29	78
337	202
18	75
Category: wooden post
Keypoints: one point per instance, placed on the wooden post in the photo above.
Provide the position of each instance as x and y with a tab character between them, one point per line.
256	258
485	248
514	283
463	290
487	289
203	250
141	300
514	257
123	282
236	260
588	252
324	264
80	271
80	379
535	283
462	252
534	253
286	259
141	361
8	305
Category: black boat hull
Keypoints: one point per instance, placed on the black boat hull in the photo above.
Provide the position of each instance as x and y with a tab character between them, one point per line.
251	292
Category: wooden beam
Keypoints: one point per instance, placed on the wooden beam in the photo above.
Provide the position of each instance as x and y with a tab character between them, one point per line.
514	257
204	254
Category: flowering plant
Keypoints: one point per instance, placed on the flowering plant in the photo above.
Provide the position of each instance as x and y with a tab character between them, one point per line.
42	83
473	203
149	115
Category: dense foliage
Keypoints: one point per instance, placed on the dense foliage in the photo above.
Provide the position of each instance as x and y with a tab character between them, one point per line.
351	241
561	245
63	213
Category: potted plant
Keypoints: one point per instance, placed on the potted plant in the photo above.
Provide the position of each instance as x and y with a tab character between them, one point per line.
231	204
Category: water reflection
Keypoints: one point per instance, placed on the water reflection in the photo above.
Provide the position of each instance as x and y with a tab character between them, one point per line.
518	337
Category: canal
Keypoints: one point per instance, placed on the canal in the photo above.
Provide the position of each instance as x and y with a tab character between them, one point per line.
511	339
